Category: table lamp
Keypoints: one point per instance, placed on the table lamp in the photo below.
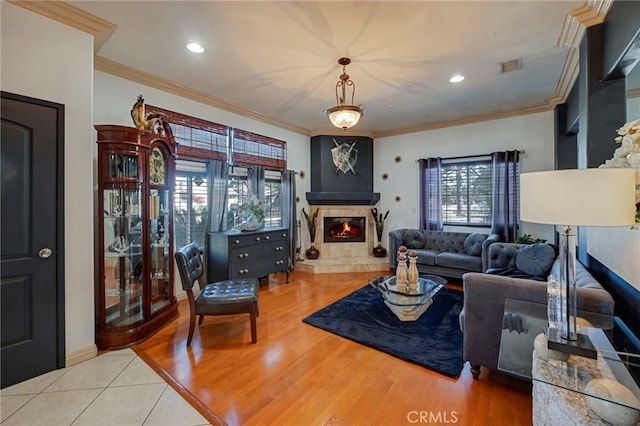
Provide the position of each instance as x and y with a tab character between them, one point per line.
582	197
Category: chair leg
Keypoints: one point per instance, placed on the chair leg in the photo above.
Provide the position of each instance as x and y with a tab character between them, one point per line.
475	371
200	319
254	337
192	326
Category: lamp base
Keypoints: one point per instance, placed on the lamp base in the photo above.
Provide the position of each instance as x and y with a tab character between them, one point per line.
582	346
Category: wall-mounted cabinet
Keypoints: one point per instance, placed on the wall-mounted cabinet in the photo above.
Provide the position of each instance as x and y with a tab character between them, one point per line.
134	287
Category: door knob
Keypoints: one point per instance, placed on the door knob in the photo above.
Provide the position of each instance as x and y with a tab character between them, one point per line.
45	253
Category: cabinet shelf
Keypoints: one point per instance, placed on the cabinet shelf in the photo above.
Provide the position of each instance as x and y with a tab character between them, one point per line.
134	289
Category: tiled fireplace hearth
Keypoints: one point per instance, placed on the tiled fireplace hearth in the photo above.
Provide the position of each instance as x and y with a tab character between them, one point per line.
340	256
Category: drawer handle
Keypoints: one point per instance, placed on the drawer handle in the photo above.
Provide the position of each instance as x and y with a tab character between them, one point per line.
257	238
284	235
237	241
266	238
241	255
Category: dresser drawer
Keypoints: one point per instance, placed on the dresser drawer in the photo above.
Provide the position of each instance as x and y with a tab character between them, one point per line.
259	268
245	240
275	236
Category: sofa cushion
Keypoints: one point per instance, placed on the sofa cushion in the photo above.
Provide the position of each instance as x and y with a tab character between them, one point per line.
426	257
459	261
413	239
473	244
535	259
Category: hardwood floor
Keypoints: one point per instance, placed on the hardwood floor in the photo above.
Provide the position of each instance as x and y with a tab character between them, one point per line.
297	374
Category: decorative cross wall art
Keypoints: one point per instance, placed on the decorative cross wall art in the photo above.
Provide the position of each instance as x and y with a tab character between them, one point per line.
345	156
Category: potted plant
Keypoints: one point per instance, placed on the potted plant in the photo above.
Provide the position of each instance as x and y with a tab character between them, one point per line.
311	252
379	219
255	214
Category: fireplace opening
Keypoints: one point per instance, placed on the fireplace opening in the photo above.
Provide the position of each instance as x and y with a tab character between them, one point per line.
344	229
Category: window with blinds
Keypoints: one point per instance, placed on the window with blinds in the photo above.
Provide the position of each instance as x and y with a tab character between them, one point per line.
467	192
196	138
190	203
249	149
273	198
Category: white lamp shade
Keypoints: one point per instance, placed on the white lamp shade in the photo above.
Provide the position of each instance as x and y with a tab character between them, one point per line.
582	197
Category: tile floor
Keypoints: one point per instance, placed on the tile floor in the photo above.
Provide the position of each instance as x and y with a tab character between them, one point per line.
116	388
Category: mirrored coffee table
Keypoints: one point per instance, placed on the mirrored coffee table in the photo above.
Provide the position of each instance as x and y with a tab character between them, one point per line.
408	302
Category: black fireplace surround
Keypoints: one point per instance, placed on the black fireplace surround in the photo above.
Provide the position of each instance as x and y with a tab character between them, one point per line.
332	186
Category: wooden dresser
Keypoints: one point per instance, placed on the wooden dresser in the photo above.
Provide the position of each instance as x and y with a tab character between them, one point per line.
235	254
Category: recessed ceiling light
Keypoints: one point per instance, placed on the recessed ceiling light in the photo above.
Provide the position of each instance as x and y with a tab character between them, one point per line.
195	47
456	78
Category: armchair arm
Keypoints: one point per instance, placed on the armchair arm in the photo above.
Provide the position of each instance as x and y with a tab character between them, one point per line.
395	241
483	311
492	238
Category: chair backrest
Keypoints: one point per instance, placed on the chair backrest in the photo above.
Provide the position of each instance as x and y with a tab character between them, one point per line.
189	265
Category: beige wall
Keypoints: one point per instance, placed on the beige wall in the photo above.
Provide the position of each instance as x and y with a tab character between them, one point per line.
532	133
619	248
47	60
114	97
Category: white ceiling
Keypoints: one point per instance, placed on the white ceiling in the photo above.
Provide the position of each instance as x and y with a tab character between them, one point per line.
279	58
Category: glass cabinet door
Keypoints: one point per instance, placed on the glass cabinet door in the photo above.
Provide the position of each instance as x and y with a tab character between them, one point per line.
159	204
123	258
122	166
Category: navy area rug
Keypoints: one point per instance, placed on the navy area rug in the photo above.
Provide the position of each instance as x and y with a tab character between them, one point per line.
433	341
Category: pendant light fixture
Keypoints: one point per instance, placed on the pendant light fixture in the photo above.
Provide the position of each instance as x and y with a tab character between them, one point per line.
342	115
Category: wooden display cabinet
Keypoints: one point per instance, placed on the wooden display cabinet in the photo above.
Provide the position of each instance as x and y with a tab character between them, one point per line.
134	289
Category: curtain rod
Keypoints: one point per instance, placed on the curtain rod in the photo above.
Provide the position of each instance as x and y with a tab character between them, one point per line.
462	157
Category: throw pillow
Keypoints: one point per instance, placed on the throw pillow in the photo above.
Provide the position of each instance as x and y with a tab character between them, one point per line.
413	239
535	259
473	244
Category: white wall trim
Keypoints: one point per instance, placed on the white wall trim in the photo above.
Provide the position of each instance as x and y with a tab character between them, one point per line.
81	355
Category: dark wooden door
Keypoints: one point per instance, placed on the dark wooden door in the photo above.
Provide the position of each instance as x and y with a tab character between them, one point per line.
31	275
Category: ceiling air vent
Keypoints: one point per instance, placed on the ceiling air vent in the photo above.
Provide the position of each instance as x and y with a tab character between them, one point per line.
512	65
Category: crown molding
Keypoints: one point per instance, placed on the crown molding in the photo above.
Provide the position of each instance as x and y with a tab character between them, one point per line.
72	16
337	132
133	74
468	120
577	21
593	12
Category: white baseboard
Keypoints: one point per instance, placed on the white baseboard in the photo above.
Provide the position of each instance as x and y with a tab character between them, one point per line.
81	355
181	295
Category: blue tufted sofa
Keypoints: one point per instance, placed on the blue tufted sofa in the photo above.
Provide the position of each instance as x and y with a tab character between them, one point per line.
449	254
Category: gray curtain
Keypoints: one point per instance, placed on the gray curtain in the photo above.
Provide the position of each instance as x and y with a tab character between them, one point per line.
218	172
430	194
289	216
255	181
506	188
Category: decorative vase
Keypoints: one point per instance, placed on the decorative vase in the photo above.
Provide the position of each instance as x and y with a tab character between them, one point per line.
379	251
401	271
312	253
413	274
252	223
